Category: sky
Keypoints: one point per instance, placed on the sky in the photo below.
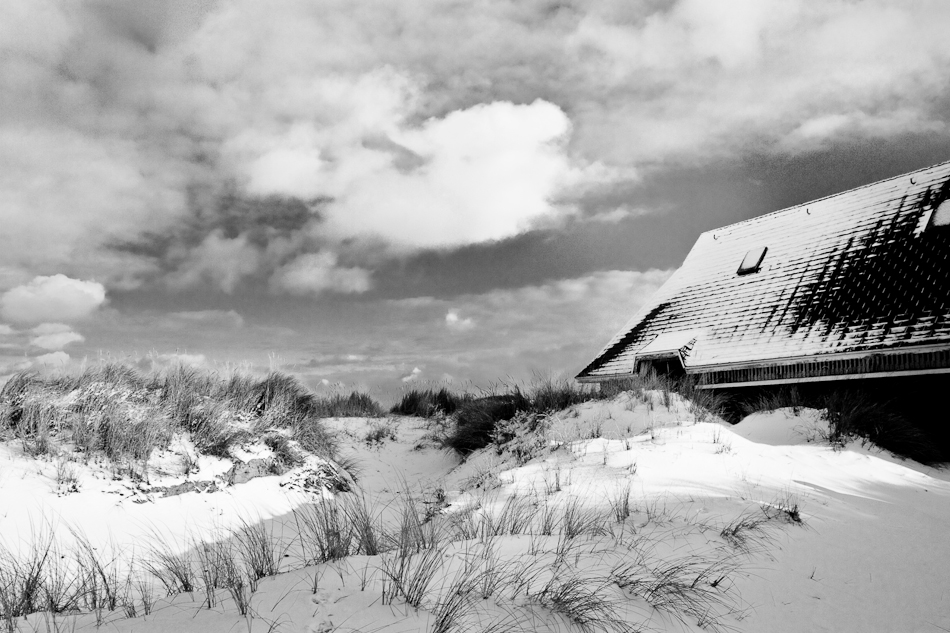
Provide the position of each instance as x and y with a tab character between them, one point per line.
387	196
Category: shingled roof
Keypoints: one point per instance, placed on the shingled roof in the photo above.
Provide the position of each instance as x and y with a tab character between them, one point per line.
851	285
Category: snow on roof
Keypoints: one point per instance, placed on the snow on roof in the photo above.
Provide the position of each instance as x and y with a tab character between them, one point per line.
867	270
668	344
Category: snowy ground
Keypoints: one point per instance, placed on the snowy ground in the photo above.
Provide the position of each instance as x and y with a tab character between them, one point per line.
871	552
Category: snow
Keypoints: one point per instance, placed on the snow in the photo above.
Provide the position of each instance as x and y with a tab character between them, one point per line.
871	553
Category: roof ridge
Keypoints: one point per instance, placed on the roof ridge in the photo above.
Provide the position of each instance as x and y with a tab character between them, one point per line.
828	197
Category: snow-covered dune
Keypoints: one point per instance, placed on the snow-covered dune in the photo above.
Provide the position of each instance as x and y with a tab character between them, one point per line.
630	515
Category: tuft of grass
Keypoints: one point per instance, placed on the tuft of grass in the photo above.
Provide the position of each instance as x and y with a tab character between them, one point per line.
620	503
286	455
549	394
511	416
589	603
176	572
378	433
784	508
525	436
410	575
367	530
693	587
578	519
858	413
853	414
326	531
771	399
22	581
514	517
67	477
475	420
747	531
261	549
428	403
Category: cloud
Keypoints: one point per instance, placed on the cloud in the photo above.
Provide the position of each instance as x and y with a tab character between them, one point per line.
53	359
221	261
412	376
207	318
139	139
617	214
54	336
456	323
57	341
548	327
748	75
486	173
316	273
181	358
6	330
55	298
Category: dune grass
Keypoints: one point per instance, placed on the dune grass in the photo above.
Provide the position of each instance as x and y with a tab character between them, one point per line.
584	565
428	403
509	412
115	411
877	417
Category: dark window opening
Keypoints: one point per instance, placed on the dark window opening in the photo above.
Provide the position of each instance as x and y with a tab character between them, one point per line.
670	367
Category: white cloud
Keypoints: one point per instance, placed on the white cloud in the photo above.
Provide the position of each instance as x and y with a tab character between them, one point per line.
617	215
53	359
54	336
488	172
55	298
316	273
751	73
456	323
181	358
547	327
57	340
6	330
220	260
51	328
412	376
207	318
424	124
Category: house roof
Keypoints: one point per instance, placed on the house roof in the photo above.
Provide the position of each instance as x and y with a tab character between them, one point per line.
859	272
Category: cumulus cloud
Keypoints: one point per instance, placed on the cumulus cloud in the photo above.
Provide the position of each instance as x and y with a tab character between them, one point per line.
134	133
316	273
206	318
553	326
181	358
485	173
412	376
221	261
720	77
53	359
54	336
56	341
6	330
455	322
54	298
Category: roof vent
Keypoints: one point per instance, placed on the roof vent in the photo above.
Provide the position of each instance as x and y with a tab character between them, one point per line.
752	260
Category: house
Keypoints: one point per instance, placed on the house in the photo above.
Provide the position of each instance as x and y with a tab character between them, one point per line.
852	286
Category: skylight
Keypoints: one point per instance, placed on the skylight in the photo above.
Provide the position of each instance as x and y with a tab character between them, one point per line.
752	260
941	216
